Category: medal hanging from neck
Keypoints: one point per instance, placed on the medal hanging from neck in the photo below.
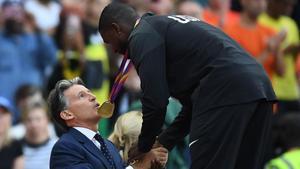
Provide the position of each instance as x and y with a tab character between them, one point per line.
106	110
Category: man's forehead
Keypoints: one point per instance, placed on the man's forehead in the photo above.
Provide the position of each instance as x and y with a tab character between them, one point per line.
74	90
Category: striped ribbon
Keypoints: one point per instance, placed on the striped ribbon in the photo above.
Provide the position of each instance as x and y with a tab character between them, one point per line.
121	78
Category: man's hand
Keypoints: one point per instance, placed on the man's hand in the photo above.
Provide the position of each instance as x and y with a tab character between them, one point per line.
155	159
160	155
157	144
135	154
273	43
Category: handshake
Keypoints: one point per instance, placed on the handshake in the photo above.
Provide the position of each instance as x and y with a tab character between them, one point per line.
156	158
125	137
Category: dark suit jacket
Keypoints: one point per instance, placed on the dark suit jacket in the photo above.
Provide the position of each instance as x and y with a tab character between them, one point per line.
195	63
75	151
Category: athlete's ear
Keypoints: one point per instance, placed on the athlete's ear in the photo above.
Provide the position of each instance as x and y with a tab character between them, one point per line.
116	28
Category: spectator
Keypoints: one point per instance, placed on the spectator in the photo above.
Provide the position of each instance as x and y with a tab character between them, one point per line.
97	60
26	58
289	136
69	39
126	131
286	86
77	5
95	52
296	13
141	6
190	8
25	97
46	14
11	154
80	53
161	7
259	40
37	143
218	13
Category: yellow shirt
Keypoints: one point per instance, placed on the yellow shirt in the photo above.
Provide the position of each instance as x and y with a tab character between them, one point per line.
288	160
286	87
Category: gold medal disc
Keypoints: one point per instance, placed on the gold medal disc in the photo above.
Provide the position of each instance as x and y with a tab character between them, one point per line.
106	110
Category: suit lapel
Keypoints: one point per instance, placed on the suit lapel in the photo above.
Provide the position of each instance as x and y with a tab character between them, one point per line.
90	146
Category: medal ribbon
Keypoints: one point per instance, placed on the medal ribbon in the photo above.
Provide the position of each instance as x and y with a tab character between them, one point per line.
121	78
122	74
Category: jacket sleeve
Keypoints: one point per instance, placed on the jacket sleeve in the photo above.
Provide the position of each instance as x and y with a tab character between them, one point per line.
178	129
65	156
147	52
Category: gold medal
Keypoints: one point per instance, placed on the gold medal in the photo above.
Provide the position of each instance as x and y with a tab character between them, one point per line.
106	110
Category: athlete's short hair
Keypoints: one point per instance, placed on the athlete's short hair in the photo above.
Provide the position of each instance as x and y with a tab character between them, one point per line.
116	12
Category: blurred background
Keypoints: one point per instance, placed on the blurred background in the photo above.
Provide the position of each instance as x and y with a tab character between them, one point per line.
43	41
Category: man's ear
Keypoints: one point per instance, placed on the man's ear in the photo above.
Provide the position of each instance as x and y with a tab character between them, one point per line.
66	115
116	27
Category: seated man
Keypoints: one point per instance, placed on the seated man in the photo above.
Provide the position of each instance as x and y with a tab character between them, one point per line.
74	107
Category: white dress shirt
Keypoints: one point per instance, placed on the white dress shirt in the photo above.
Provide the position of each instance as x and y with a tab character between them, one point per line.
89	134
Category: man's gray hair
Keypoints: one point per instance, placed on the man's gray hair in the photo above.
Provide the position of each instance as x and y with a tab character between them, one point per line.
57	100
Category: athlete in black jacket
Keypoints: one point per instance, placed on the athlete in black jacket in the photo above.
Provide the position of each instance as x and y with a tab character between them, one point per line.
226	95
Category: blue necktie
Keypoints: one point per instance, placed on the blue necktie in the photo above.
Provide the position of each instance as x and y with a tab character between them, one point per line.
105	151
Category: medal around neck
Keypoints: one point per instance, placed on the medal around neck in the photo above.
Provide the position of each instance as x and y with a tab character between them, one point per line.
106	110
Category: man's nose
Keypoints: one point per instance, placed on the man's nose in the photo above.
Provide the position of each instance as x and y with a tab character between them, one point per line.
92	97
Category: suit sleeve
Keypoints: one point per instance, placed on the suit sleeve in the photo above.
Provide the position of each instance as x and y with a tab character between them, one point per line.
147	52
65	156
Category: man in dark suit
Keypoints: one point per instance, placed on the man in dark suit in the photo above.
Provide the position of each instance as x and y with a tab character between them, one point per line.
225	94
74	107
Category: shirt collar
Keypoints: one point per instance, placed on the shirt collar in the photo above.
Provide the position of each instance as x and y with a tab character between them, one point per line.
87	132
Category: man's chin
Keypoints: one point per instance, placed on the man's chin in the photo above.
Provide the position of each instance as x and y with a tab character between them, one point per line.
97	118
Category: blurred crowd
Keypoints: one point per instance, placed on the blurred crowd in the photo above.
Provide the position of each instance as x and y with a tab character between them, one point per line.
43	41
